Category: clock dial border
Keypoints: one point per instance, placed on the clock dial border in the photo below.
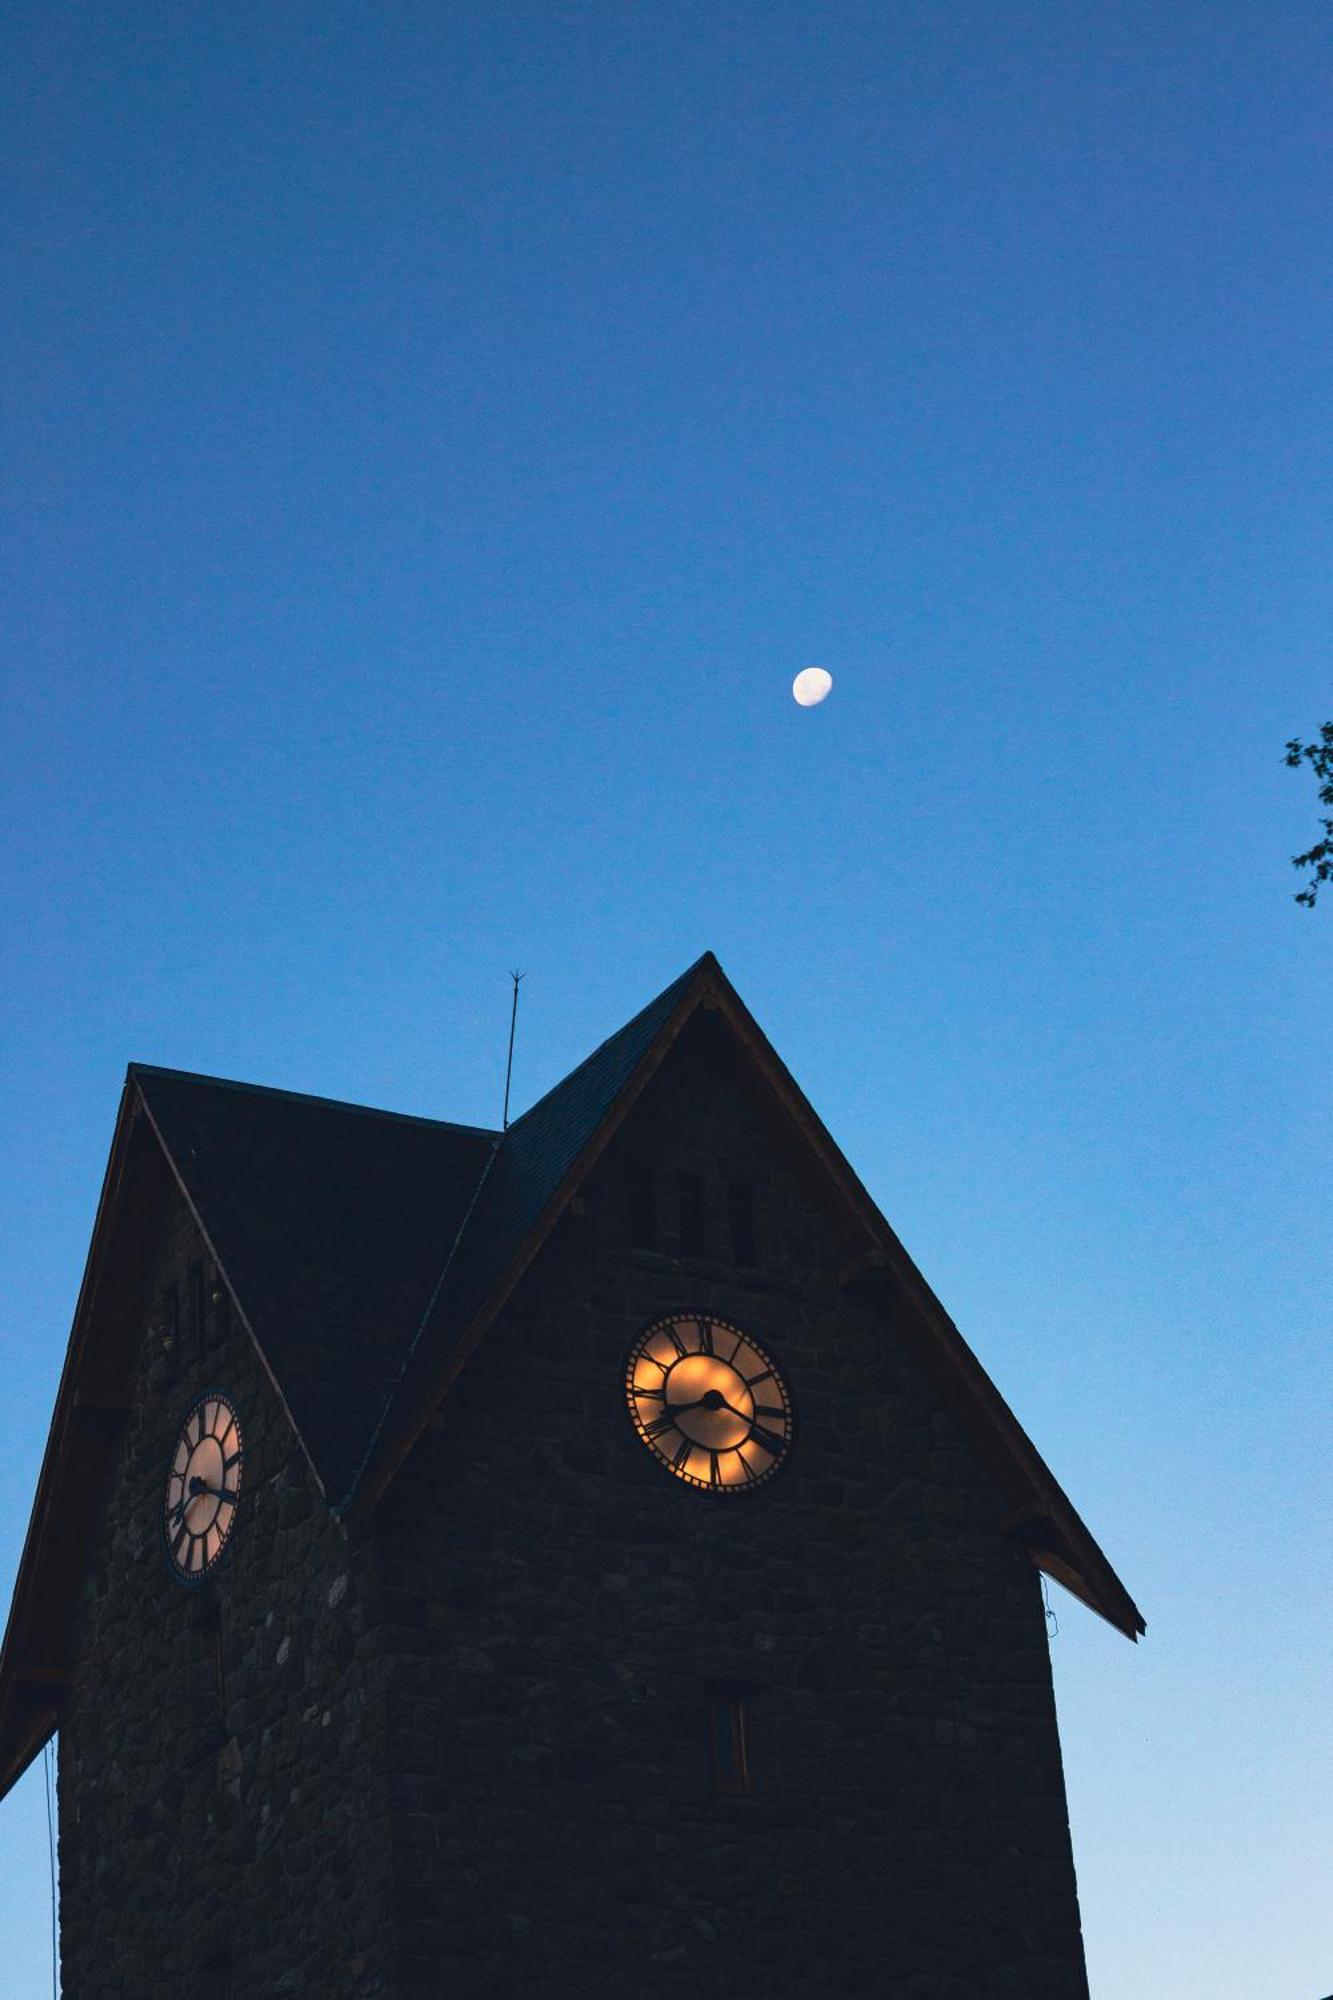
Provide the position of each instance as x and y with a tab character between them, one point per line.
726	1450
227	1462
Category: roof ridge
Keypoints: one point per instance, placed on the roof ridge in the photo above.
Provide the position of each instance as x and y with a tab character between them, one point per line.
706	958
139	1069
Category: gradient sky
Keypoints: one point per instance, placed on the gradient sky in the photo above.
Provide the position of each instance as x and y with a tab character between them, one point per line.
435	436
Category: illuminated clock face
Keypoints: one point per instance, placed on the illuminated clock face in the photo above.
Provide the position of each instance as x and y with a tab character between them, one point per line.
709	1403
203	1487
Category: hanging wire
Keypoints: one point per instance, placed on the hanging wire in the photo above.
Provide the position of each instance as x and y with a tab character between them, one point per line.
1052	1622
51	1846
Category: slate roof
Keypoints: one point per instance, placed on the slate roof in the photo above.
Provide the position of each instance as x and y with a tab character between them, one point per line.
525	1175
331	1224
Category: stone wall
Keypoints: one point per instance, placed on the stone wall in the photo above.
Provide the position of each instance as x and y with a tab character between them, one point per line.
558	1608
223	1810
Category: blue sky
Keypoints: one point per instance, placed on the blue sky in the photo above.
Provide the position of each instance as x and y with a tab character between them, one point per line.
435	437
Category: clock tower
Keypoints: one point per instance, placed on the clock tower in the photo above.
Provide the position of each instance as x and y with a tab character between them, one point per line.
580	1560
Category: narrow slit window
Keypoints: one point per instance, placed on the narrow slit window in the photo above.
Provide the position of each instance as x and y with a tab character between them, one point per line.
641	1199
206	1620
171	1328
690	1207
740	1205
198	1321
218	1983
219	1318
726	1728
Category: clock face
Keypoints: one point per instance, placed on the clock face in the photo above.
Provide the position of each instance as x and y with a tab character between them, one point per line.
709	1403
203	1487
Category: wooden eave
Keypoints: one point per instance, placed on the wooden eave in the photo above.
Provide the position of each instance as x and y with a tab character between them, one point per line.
1042	1518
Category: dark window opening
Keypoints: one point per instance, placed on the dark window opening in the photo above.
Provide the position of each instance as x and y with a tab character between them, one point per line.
740	1208
641	1198
218	1317
726	1731
206	1618
196	1308
693	1222
217	1976
171	1326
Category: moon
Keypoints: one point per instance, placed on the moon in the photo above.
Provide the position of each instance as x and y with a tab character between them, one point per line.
811	686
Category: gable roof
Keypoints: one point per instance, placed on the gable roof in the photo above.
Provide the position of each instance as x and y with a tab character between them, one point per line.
538	1169
366	1254
331	1224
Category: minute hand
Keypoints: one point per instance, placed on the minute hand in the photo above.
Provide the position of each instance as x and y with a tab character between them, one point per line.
202	1489
768	1439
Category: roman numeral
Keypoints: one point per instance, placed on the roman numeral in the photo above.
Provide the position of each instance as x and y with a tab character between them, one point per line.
659	1425
714	1478
683	1451
770	1410
675	1338
228	1463
705	1337
764	1375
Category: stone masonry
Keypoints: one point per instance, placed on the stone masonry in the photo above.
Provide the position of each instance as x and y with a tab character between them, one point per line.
558	1608
223	1795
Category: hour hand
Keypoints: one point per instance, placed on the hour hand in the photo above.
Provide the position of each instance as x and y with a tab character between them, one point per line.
199	1489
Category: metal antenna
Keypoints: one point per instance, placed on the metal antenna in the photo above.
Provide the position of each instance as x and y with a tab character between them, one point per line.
517	978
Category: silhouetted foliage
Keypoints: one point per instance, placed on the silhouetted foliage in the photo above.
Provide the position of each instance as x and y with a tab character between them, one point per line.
1319	859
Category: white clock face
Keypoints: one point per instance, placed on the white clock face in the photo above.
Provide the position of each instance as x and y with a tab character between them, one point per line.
203	1487
709	1403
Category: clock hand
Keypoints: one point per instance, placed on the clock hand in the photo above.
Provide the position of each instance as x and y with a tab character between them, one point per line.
201	1487
761	1435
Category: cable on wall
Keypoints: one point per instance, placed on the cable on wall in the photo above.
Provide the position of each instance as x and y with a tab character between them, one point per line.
51	1846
